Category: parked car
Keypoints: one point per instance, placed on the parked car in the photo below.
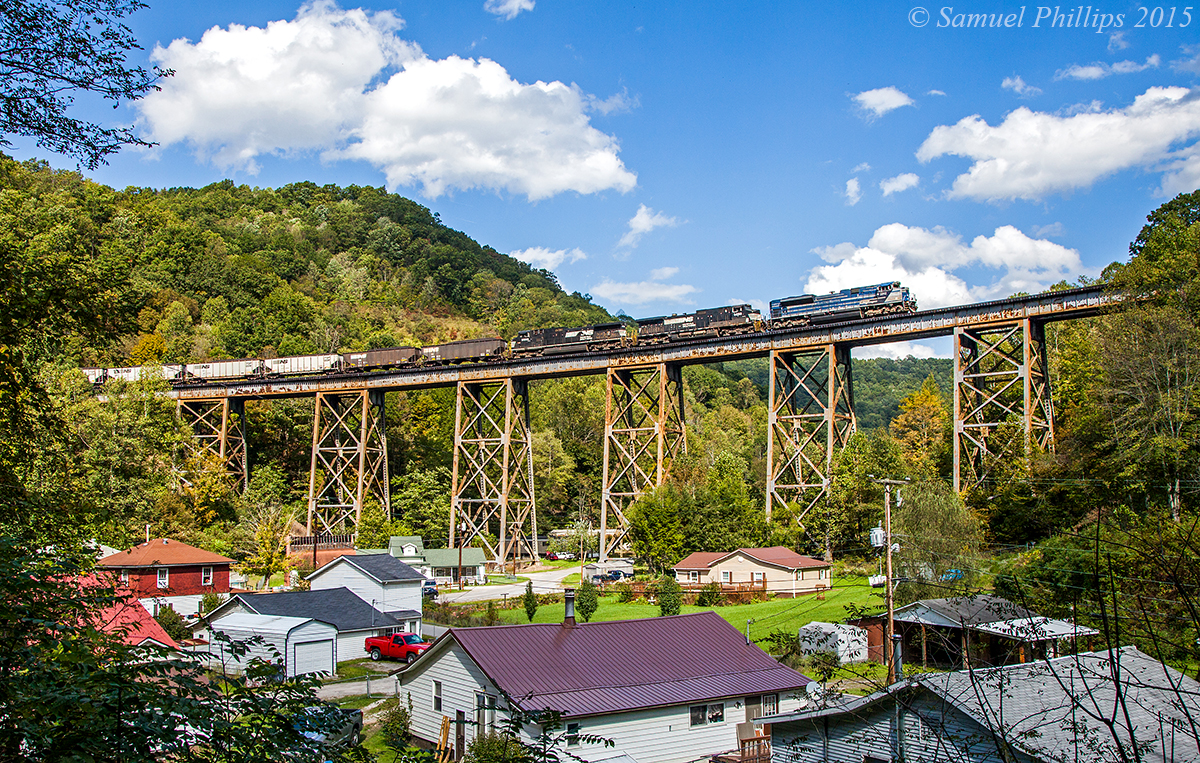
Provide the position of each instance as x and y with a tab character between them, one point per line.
429	589
330	725
618	575
398	646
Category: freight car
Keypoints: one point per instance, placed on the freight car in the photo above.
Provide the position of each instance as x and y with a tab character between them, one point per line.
859	302
245	368
562	341
716	321
387	357
463	351
134	373
302	364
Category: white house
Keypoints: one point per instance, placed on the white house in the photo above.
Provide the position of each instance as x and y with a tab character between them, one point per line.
775	569
387	583
664	689
848	642
302	644
352	619
440	564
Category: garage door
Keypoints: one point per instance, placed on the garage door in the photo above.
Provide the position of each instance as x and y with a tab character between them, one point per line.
313	657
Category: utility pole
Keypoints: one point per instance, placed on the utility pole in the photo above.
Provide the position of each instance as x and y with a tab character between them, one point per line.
889	643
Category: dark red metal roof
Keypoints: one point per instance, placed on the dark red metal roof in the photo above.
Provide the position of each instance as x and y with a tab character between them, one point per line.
601	668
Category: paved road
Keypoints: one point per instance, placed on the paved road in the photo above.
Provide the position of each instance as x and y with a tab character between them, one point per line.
543	582
381	686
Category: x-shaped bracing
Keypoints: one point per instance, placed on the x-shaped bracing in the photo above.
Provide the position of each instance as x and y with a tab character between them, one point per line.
349	460
219	428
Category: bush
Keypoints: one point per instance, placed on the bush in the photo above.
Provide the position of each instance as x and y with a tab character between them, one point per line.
711	595
530	600
587	601
395	726
495	748
172	622
670	596
210	601
624	593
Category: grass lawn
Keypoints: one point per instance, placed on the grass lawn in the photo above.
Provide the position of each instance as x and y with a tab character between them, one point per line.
357	702
782	614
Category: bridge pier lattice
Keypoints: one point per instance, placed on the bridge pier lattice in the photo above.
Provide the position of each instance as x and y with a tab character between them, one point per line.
1002	404
810	416
492	482
643	430
349	460
219	428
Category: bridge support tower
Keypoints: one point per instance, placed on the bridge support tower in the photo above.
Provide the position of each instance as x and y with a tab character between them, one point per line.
1002	405
643	430
492	485
349	460
219	428
810	416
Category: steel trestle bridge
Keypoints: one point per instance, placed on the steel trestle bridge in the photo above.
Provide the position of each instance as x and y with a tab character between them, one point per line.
1001	407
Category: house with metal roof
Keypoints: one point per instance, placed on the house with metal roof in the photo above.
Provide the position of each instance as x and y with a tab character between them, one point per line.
389	584
981	630
1094	706
352	618
777	569
300	644
665	689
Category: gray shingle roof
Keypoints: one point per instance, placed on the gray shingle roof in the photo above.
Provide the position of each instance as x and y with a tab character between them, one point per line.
340	607
382	567
969	610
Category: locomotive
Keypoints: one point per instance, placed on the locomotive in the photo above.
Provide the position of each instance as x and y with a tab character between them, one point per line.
860	302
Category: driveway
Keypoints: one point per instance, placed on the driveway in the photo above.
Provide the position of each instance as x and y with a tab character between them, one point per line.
382	685
543	582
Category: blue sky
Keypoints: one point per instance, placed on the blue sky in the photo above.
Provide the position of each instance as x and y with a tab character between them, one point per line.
669	156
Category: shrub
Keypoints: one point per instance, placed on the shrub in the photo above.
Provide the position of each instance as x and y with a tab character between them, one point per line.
670	596
495	748
210	601
172	622
587	601
624	593
395	725
711	595
530	600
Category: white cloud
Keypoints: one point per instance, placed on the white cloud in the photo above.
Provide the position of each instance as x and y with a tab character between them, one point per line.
864	167
1100	70
541	257
925	260
1051	230
758	304
1189	65
882	100
899	183
644	221
1018	86
508	8
935	92
344	83
894	351
1032	154
853	191
662	274
641	292
1117	41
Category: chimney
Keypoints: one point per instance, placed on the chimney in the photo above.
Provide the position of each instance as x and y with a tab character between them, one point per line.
569	614
898	655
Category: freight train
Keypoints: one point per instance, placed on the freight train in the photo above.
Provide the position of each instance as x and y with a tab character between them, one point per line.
858	303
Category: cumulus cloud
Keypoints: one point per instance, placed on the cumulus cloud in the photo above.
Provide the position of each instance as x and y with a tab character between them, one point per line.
508	8
644	221
894	351
541	257
1100	70
853	191
641	292
758	304
1033	154
925	261
344	83
875	103
899	183
1018	86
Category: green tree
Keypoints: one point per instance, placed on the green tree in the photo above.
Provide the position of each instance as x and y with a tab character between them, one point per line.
670	596
172	622
921	428
939	541
529	601
422	503
587	601
655	529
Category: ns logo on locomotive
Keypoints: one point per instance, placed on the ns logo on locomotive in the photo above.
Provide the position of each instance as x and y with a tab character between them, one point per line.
858	303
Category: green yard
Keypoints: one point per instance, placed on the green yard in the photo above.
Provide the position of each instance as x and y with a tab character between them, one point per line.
777	614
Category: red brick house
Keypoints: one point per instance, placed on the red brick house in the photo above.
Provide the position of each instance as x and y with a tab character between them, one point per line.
165	572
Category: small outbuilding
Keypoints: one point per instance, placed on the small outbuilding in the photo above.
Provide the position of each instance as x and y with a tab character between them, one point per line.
301	645
848	642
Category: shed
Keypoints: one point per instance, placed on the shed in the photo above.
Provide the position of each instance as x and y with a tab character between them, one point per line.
303	645
595	570
848	642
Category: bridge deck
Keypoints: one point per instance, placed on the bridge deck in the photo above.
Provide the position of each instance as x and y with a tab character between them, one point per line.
1045	307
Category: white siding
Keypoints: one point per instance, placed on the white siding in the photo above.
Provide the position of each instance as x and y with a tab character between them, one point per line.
312	657
274	645
461	680
404	594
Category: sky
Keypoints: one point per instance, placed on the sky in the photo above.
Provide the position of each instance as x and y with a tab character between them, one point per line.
664	157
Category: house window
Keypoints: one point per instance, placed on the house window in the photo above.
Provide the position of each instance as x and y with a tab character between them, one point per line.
726	576
758	577
437	696
770	704
703	715
485	714
162	577
124	577
206	576
572	735
873	759
693	576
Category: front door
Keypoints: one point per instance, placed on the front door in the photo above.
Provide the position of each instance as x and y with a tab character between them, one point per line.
460	734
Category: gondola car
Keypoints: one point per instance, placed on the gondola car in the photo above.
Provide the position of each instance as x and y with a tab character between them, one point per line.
848	304
387	357
295	365
213	370
168	372
562	341
715	321
463	351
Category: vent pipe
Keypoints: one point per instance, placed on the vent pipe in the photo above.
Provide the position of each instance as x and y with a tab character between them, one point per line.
569	613
898	655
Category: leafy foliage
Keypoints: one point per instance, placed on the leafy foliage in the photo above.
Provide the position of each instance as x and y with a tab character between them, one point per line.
529	601
172	622
669	595
587	600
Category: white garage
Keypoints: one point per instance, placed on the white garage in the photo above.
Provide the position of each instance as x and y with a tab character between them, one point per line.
303	645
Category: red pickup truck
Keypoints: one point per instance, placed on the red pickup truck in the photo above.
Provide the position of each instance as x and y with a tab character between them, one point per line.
398	646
